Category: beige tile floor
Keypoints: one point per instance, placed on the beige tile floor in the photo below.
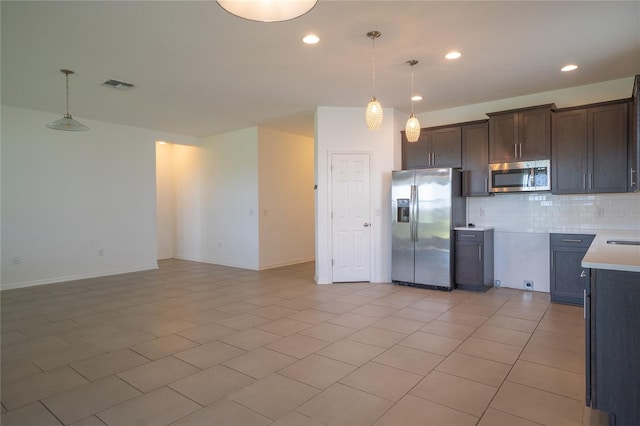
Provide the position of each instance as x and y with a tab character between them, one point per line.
199	344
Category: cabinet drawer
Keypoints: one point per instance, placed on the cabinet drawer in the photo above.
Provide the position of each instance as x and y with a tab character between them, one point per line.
571	240
470	236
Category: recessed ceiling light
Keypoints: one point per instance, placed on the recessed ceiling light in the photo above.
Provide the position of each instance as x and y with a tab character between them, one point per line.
569	67
416	98
162	142
453	55
311	39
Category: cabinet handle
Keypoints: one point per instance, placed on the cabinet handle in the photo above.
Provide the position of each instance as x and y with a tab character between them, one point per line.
520	150
515	150
434	159
584	307
486	185
590	180
583	274
468	235
631	172
480	253
570	240
584	181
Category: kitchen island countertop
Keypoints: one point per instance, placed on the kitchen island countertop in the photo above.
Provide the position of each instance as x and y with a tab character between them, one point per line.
617	257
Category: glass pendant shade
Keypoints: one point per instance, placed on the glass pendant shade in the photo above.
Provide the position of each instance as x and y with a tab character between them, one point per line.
67	122
267	10
412	129
374	114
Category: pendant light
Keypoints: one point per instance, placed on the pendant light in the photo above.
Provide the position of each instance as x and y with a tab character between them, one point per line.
267	10
412	129
374	109
67	122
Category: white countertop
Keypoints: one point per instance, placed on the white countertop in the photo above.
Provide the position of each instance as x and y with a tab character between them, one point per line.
473	228
617	257
573	231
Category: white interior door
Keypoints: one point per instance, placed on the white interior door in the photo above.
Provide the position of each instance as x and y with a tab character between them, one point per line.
351	217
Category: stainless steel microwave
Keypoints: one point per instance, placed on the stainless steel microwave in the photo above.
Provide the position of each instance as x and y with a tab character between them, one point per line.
520	176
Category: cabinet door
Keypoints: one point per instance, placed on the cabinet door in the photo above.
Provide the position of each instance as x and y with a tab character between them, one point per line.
475	159
415	155
568	278
634	138
615	319
607	138
503	134
569	165
469	264
534	134
446	147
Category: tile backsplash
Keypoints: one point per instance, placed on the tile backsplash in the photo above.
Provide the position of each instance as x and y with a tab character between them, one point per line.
544	212
522	224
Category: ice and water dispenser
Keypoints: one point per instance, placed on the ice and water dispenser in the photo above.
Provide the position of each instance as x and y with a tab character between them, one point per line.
403	210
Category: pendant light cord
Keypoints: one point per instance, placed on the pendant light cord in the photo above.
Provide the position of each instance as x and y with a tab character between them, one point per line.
373	65
412	62
411	89
373	35
67	88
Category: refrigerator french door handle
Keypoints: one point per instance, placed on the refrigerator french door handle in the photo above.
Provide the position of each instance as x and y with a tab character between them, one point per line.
414	212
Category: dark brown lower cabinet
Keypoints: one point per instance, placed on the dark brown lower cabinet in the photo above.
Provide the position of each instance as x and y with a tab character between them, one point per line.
612	320
474	259
568	279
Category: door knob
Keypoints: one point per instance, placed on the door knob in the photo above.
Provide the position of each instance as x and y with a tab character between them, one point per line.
366	225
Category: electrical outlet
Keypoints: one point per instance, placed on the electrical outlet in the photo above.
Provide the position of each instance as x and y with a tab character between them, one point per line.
15	260
528	285
497	284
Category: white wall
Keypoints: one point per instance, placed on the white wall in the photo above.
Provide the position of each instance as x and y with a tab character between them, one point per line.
165	200
286	198
343	130
217	200
243	199
66	196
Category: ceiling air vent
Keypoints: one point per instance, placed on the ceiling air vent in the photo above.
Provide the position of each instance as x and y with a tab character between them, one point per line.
117	84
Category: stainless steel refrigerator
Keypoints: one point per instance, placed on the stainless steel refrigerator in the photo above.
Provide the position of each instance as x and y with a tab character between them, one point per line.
426	206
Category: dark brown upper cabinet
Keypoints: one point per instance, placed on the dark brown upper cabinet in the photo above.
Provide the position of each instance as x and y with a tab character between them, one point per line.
634	140
590	149
520	134
475	159
437	147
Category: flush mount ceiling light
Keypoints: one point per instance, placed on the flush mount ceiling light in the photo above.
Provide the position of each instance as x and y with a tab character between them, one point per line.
267	10
412	129
454	54
67	122
569	67
311	39
374	109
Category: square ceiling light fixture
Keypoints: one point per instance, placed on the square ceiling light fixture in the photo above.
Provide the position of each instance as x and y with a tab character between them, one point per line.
267	10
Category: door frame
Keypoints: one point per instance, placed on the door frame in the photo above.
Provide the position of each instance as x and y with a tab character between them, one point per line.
374	225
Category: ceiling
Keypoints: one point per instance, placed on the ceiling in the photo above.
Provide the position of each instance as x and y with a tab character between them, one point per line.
199	70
